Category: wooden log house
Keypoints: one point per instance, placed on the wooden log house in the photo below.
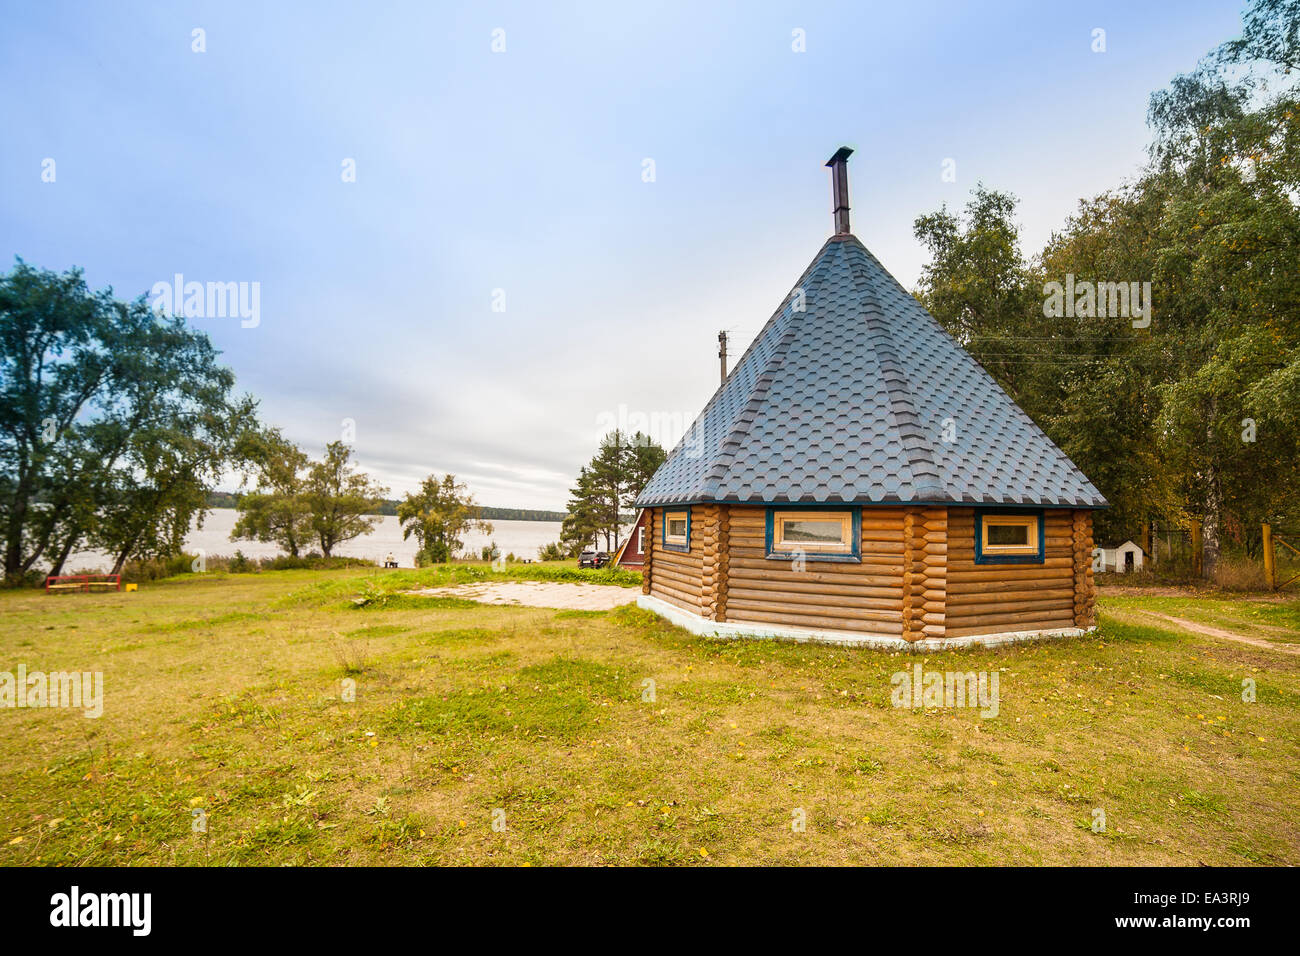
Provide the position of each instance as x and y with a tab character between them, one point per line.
859	478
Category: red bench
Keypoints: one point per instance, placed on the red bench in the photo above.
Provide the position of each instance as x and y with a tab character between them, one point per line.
83	582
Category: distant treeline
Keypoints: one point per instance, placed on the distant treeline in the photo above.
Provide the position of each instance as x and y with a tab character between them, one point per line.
229	499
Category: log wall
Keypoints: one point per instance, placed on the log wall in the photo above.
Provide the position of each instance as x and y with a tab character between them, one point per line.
993	598
917	577
676	576
934	556
822	594
650	526
711	559
1085	590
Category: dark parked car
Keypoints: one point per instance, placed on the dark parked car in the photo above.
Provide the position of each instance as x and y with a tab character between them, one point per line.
593	559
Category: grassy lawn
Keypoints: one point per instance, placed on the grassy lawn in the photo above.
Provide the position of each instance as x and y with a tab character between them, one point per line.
225	693
1269	618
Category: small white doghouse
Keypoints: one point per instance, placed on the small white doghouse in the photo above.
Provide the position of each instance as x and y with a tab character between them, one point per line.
1127	557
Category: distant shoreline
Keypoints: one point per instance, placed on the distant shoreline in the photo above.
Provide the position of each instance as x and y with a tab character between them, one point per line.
224	499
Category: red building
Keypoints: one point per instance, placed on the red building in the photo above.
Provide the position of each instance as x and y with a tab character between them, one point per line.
632	552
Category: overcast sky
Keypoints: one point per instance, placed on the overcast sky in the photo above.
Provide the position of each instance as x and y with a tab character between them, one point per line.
525	171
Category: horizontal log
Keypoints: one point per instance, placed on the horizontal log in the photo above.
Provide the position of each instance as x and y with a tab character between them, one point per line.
684	604
974	613
1046	624
830	612
793	584
757	547
966	548
834	624
1006	573
660	587
659	572
816	600
827	571
961	583
683	576
1016	621
678	559
968	564
1009	597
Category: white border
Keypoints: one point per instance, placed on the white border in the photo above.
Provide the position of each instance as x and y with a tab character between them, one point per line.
885	642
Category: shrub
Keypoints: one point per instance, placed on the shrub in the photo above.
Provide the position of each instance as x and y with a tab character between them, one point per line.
312	562
152	569
436	553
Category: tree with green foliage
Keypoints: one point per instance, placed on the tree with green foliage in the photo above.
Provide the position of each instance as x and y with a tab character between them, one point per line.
551	552
114	423
1195	415
341	500
1226	175
277	510
607	488
643	459
169	469
978	284
438	515
583	525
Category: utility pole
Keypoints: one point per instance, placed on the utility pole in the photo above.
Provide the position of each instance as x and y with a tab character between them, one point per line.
722	354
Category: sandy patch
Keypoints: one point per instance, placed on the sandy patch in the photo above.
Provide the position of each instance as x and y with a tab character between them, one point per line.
568	597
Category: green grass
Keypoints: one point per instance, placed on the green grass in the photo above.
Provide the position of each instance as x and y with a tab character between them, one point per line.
1268	617
612	737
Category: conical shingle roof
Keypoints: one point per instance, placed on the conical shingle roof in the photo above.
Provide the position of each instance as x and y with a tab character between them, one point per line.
846	402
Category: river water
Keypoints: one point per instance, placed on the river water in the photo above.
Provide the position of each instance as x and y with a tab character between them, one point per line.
521	538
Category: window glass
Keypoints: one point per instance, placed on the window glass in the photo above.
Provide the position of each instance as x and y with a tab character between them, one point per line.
826	532
677	525
813	532
1009	534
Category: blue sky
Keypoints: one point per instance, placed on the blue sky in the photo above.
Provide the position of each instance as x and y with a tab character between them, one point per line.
522	171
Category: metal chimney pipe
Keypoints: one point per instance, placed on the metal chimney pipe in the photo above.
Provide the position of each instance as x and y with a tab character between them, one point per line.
840	188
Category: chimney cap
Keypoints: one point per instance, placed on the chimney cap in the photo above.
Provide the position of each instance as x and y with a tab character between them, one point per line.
841	154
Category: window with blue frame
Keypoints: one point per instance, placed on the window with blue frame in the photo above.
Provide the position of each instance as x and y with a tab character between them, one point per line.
1009	537
815	535
677	529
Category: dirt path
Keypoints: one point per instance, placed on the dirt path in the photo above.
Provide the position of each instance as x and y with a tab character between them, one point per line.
574	597
1211	631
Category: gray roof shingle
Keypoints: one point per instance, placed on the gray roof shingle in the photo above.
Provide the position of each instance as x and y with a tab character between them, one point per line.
845	402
